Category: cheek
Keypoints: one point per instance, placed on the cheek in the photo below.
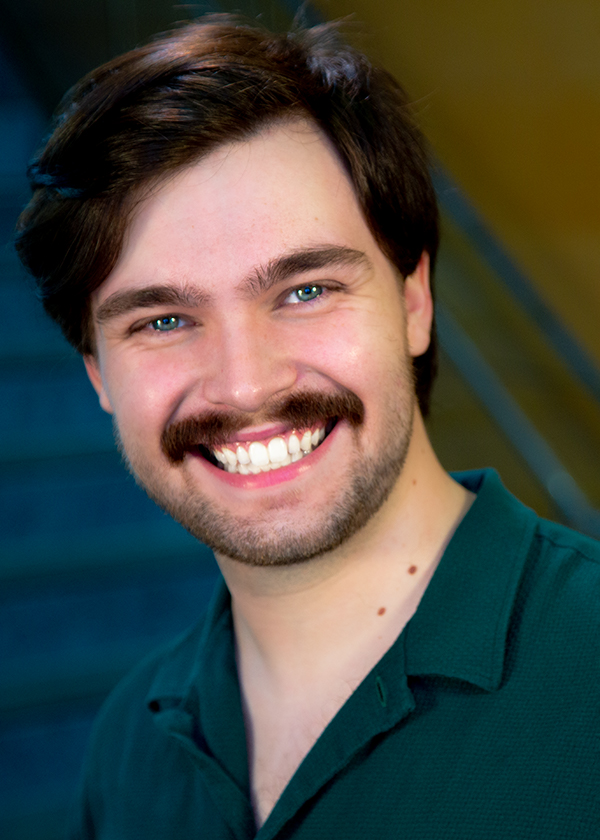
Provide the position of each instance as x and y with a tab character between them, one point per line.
145	394
361	360
370	345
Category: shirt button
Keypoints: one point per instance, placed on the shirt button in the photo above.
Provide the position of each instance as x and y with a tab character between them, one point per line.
381	692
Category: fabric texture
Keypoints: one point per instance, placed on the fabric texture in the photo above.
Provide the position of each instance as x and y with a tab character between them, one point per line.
481	721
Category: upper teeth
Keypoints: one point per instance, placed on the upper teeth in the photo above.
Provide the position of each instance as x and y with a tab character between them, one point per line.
256	457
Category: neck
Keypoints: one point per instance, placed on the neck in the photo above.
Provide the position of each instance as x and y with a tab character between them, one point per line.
338	613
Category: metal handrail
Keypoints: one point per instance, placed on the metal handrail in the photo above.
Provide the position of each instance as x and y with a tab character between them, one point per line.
570	500
460	210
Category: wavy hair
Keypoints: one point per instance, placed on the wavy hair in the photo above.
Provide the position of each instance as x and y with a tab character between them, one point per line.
161	106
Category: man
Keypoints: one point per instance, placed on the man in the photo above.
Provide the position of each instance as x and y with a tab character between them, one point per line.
236	230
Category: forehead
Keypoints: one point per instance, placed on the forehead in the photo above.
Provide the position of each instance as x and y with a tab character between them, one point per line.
241	206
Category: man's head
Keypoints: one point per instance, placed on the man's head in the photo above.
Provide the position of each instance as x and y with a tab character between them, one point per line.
255	348
235	229
163	106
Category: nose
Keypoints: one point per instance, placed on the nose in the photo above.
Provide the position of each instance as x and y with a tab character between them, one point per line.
246	365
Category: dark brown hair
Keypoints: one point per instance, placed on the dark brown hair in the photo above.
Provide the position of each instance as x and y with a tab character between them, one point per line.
159	107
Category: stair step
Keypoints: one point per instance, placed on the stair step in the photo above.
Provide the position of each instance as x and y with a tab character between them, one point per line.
50	410
153	543
28	332
72	640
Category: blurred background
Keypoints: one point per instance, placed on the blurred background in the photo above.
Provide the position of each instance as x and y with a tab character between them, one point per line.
92	574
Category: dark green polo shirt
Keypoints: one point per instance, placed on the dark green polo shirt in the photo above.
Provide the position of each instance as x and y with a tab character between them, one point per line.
482	721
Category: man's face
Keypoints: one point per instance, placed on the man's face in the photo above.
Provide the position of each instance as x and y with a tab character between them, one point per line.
254	347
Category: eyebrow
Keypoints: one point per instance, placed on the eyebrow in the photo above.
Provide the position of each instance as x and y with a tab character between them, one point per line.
260	280
301	262
120	303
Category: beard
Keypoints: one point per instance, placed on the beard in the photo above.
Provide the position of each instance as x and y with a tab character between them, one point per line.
281	535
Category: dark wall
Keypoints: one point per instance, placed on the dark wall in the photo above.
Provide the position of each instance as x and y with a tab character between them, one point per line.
54	43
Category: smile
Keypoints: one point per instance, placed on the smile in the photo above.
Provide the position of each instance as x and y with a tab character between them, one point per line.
252	458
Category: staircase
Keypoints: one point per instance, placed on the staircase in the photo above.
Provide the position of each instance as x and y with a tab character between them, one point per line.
92	574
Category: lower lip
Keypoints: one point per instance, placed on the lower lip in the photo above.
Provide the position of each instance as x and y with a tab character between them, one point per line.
273	477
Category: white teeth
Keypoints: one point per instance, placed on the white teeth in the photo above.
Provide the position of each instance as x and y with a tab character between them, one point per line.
277	450
259	454
287	460
257	457
306	442
242	455
230	457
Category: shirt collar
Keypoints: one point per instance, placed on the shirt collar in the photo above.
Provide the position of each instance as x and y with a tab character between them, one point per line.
195	695
177	672
461	624
460	627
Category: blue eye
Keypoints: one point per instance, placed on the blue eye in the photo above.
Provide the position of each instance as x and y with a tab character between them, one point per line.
170	322
305	293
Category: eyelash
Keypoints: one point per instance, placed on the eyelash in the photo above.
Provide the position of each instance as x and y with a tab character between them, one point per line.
166	321
149	325
325	290
307	288
319	288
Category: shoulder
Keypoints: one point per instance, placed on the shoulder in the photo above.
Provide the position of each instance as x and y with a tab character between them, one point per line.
140	740
562	542
566	564
132	752
126	717
557	608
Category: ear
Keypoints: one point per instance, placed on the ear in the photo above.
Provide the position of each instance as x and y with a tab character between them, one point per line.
95	377
419	307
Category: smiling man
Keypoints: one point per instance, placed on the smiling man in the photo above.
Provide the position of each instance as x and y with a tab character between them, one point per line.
295	428
236	231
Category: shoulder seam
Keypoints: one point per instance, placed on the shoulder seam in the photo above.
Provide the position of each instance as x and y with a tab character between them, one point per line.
567	546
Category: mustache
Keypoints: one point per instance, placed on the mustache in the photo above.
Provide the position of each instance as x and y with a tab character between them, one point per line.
299	411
